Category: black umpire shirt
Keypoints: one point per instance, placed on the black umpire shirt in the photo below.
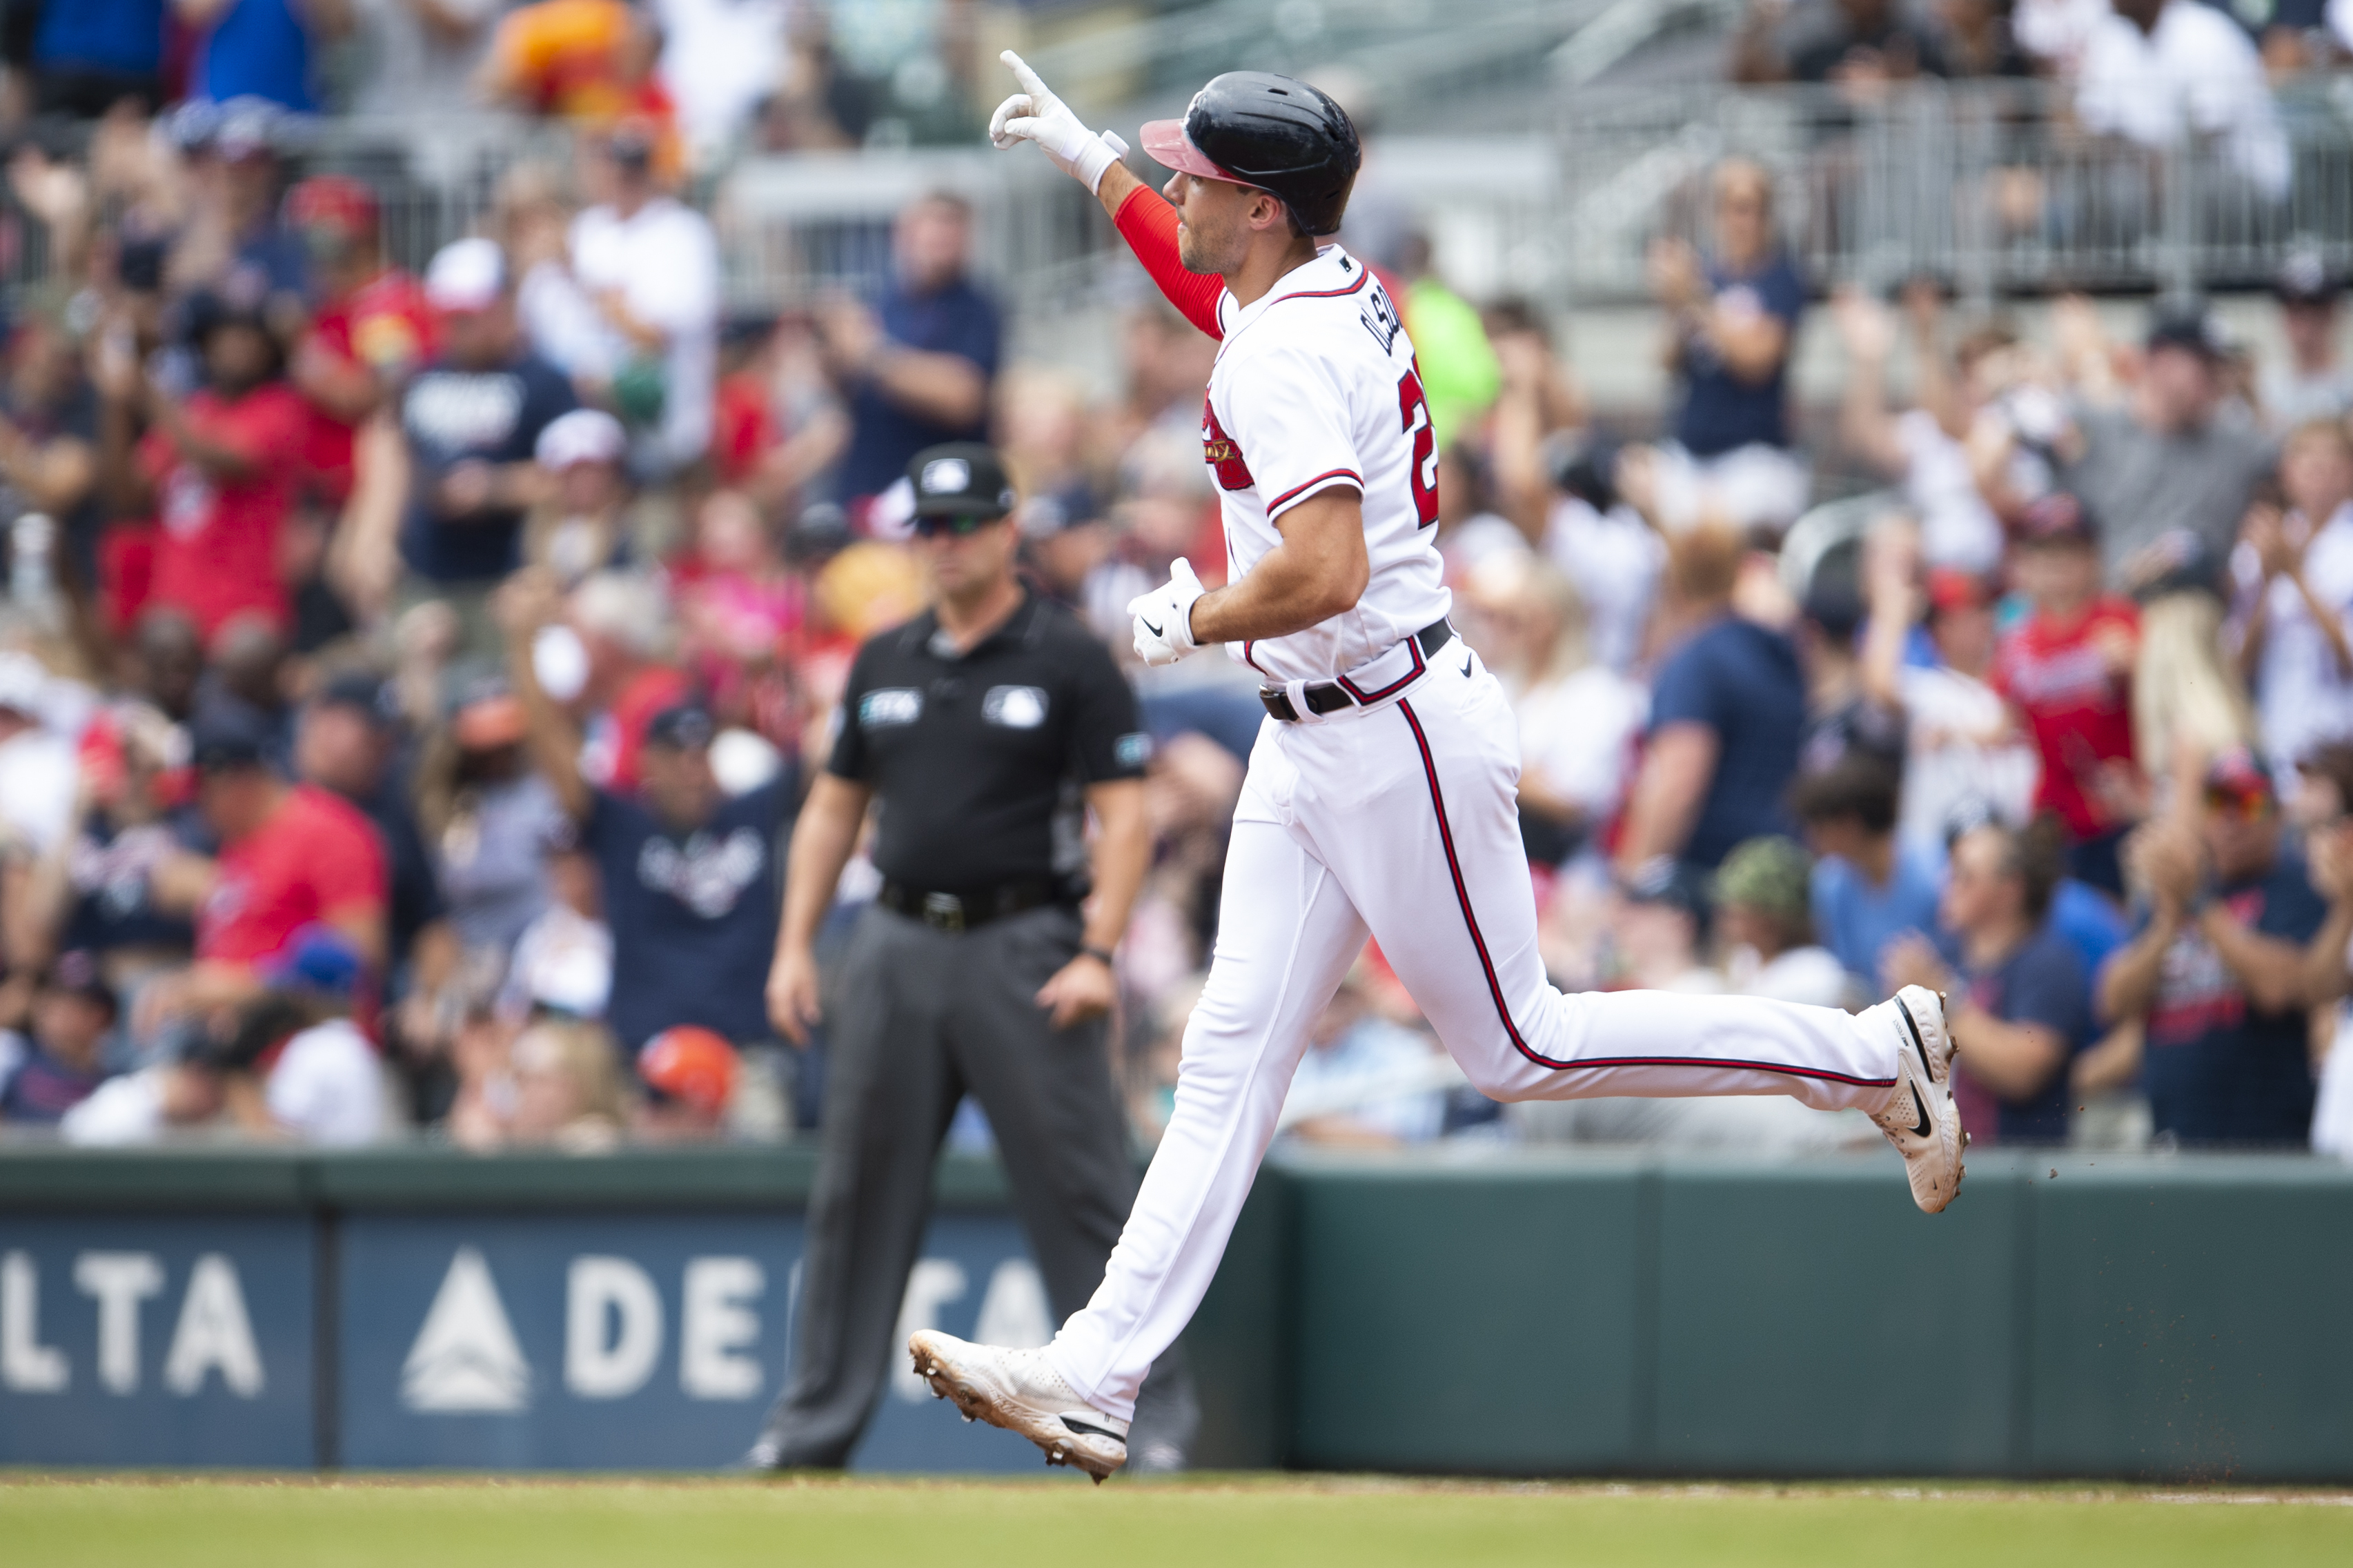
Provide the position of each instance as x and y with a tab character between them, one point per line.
980	762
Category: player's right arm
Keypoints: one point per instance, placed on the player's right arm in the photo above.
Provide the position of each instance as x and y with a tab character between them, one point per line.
822	841
1144	218
1318	571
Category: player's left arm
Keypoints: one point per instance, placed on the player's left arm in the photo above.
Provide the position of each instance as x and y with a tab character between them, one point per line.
1318	571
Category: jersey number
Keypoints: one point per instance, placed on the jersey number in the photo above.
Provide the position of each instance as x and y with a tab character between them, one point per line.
1415	407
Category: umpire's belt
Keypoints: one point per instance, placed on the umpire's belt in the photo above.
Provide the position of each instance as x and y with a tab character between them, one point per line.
962	911
1330	696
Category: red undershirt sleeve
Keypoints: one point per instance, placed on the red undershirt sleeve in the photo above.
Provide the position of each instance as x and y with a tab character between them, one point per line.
1149	222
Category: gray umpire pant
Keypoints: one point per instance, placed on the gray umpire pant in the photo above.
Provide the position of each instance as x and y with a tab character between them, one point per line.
921	1016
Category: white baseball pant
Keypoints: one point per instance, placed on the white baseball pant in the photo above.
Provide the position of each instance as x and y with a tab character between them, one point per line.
1400	819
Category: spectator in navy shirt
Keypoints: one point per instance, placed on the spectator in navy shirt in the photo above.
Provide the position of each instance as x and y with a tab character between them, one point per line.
691	875
1731	322
473	420
44	1076
2217	969
1727	711
916	370
1869	887
2020	1002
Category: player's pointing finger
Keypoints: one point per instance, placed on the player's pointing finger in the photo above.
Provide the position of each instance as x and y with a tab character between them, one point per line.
1029	79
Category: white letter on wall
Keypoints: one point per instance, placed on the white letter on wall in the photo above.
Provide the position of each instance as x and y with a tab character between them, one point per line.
119	1280
716	1325
595	1367
27	1365
213	1331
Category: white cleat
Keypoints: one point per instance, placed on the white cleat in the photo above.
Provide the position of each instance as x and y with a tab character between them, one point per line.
1921	1119
1020	1390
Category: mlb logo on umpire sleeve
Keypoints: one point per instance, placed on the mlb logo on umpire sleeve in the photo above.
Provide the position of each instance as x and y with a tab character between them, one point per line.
1015	707
889	705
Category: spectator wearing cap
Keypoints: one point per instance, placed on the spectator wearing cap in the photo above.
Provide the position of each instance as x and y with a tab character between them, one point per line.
96	888
1964	757
1662	928
59	1063
458	488
2292	613
2018	993
374	326
690	874
979	728
283	1063
292	855
2315	382
347	741
581	525
490	819
916	369
217	468
689	1076
1845	716
2169	473
1869	888
2216	972
233	242
1727	714
650	263
620	625
1764	913
2067	669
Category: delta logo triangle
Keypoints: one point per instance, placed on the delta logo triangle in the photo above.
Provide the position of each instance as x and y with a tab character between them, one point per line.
465	1357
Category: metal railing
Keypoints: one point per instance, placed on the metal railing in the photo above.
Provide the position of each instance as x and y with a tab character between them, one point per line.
1993	185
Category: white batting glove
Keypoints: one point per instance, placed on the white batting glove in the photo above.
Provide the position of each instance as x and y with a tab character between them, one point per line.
1164	617
1035	114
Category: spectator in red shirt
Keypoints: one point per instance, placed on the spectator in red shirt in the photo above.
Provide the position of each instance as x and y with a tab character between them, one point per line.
219	467
373	328
291	856
2067	669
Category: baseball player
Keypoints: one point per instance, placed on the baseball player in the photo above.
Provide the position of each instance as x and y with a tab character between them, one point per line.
1379	798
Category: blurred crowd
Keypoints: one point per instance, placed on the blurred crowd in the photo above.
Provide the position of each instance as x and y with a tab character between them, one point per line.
408	681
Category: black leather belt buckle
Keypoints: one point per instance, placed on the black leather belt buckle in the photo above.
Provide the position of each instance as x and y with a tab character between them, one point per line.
1278	702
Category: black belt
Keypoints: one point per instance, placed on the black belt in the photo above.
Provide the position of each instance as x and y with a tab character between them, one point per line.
962	911
1332	695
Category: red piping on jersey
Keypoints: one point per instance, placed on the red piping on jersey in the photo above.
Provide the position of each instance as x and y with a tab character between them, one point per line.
1363	276
1366	698
1149	225
1286	497
1495	989
1247	644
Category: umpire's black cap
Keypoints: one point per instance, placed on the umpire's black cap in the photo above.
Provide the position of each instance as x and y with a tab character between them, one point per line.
1276	133
960	478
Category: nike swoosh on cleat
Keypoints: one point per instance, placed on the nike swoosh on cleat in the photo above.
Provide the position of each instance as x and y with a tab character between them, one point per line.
1926	1126
1092	1430
1149	626
1917	1043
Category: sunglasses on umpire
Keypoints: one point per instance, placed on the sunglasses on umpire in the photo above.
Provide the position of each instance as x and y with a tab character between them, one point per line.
962	525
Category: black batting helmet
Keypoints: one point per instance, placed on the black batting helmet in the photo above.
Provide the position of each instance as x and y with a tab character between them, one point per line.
1274	133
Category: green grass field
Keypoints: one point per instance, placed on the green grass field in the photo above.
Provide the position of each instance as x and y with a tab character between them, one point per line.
1202	1523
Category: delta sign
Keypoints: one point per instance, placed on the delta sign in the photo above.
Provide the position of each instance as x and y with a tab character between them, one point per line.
503	1341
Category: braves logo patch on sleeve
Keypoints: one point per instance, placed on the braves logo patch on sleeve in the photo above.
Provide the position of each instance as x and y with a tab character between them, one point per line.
1218	451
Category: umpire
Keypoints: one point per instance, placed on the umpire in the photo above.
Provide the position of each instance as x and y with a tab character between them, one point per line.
982	727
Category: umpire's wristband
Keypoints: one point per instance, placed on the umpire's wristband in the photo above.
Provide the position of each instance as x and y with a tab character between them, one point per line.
1100	955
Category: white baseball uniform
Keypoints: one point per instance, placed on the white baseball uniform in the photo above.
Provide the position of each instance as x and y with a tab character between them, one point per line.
1394	817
